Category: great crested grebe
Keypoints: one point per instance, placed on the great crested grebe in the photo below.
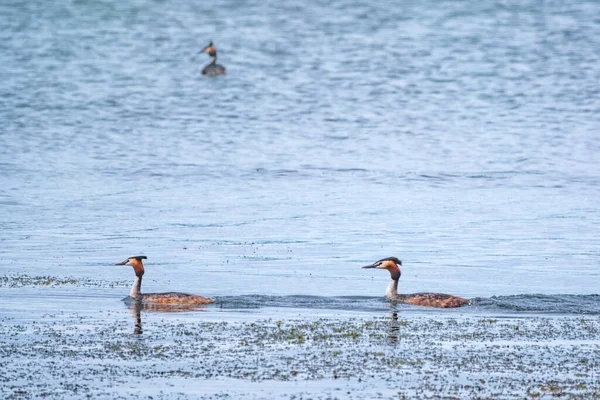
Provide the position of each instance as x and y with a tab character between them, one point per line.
160	298
212	69
440	300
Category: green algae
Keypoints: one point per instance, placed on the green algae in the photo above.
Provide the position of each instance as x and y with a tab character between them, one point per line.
416	357
18	281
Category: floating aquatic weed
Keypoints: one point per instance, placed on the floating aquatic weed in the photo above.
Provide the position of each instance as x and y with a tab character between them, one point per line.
16	281
431	357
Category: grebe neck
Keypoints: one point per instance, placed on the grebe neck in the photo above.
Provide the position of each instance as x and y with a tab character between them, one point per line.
136	289
392	290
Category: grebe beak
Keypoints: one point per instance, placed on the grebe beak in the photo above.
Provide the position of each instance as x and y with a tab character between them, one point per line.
207	48
378	265
123	263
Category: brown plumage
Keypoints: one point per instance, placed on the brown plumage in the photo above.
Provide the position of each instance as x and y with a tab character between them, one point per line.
169	298
438	300
176	298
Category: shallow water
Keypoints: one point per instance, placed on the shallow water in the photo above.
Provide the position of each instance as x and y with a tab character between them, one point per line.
459	136
69	355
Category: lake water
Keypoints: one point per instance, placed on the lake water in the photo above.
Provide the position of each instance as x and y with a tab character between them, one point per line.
459	136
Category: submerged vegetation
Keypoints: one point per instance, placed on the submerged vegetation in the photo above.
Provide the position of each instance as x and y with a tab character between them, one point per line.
16	281
385	357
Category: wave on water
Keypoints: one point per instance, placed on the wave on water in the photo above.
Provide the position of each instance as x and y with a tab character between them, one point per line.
588	304
526	303
358	303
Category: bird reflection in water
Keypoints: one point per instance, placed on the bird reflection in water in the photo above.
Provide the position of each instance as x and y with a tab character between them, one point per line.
136	308
394	329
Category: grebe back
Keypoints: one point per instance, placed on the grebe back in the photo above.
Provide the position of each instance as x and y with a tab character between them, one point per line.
439	300
160	298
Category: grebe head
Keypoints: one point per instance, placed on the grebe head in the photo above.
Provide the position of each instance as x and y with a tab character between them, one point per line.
392	264
136	263
210	49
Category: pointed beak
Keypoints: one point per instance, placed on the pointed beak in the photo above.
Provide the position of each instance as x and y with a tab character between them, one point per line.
123	263
370	266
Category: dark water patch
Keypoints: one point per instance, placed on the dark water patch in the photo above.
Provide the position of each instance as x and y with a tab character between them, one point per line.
196	226
358	303
333	170
539	303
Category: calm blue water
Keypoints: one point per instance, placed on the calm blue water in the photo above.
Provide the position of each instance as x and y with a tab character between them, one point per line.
460	136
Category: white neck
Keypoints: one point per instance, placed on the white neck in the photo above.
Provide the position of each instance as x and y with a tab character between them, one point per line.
392	290
136	289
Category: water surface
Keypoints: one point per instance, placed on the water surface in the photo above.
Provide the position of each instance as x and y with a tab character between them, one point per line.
459	136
